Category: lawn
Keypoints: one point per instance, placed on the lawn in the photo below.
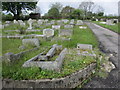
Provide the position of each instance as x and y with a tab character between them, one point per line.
111	27
71	64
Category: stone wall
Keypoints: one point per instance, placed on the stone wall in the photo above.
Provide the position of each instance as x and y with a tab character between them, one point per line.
70	81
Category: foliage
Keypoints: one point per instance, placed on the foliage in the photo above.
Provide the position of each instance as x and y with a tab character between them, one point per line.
66	11
53	13
16	7
77	14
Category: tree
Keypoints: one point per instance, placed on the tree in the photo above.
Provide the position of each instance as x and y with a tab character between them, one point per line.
16	7
77	14
66	11
53	13
87	7
57	5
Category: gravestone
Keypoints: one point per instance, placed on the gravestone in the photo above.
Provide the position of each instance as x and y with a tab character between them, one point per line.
97	20
84	46
59	22
65	20
30	23
31	42
0	25
79	22
46	20
15	21
109	22
40	22
55	26
52	22
68	26
64	32
48	32
82	27
7	22
47	24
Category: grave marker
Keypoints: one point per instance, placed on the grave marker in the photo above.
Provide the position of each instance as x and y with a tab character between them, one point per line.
48	32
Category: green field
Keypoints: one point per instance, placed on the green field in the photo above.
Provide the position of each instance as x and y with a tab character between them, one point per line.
111	27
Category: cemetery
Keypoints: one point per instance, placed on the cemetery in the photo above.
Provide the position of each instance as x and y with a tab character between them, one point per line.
57	50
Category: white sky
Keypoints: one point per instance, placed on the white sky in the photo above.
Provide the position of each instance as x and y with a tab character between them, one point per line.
110	6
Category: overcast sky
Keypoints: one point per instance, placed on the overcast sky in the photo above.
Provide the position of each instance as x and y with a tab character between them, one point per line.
110	6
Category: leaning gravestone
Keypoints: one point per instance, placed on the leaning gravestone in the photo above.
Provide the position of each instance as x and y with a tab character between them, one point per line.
48	32
30	23
31	42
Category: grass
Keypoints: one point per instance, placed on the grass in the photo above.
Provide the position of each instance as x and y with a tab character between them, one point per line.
111	27
12	45
71	64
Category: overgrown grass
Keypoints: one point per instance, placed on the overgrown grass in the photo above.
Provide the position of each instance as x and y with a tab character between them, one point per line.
111	27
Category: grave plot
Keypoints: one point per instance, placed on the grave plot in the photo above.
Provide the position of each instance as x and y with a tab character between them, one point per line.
52	60
83	50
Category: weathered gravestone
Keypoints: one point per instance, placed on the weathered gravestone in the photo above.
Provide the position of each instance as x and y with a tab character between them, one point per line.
59	22
64	32
68	26
109	22
85	50
32	42
0	25
15	21
79	22
30	23
52	22
65	20
55	26
72	22
44	61
40	22
84	46
48	32
82	27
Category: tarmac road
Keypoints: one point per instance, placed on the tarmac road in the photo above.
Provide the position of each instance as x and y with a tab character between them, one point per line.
108	43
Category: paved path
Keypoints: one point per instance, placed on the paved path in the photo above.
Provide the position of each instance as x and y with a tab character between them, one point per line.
109	44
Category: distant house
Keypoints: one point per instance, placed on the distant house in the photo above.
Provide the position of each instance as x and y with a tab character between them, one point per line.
35	15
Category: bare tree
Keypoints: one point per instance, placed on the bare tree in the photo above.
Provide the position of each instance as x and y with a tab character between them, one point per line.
100	9
87	7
